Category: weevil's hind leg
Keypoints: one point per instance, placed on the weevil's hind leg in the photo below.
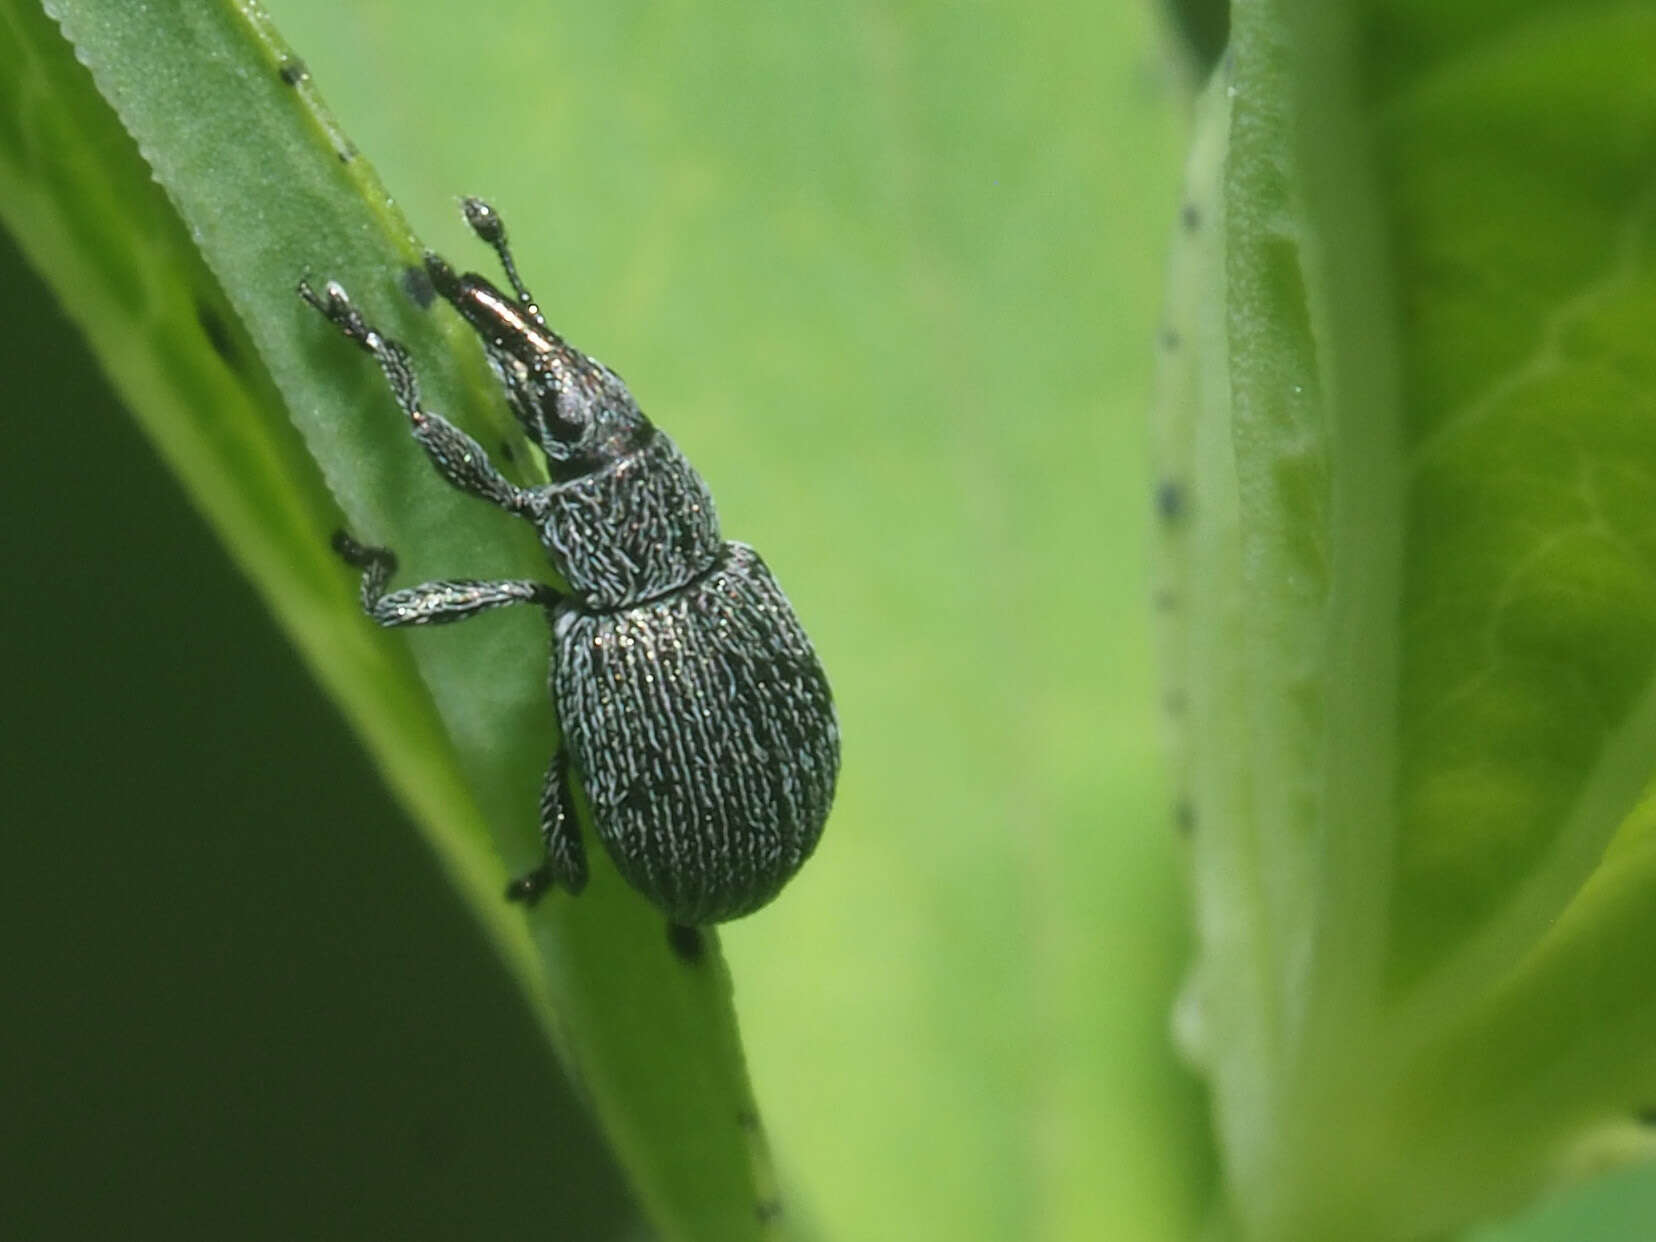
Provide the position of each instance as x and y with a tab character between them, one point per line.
565	864
687	943
431	603
488	225
458	458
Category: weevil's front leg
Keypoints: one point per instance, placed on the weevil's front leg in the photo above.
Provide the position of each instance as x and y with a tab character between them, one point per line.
431	603
565	863
458	458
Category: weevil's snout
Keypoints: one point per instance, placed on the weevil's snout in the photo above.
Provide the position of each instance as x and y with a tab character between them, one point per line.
502	321
574	408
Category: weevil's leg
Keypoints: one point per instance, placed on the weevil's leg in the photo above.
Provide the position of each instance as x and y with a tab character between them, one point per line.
458	458
431	603
565	863
488	225
686	942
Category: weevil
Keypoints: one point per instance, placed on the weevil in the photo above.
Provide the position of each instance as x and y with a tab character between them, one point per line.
694	713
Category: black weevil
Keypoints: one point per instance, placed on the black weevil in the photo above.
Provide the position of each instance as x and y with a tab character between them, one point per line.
694	712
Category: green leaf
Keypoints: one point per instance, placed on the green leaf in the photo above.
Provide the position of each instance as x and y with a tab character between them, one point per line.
1527	210
267	190
1422	629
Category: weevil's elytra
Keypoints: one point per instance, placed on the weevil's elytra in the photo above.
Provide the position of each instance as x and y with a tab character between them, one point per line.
694	712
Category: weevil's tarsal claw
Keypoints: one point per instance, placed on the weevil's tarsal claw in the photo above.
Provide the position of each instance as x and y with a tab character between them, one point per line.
347	548
331	302
686	942
360	554
530	888
334	304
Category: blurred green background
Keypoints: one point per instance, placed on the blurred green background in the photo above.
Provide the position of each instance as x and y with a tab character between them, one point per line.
890	275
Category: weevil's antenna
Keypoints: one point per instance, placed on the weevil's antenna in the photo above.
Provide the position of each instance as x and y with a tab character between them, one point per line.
485	221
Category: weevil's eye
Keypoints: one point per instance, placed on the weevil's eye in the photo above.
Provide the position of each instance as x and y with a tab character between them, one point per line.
582	414
563	421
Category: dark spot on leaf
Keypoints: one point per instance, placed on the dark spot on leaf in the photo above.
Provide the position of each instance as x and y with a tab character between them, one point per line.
293	70
1170	339
1184	818
1203	27
1165	600
767	1210
1175	703
217	333
686	943
417	285
1646	1116
1191	217
748	1120
1170	500
506	452
346	154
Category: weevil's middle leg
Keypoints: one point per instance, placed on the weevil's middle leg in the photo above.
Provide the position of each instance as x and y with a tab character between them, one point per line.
565	864
431	603
458	458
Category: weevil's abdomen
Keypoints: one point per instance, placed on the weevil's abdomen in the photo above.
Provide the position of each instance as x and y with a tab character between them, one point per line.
703	733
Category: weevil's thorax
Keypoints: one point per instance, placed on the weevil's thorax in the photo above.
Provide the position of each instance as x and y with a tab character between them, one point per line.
636	528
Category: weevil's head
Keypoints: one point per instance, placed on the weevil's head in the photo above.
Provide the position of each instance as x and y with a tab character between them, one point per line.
573	406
